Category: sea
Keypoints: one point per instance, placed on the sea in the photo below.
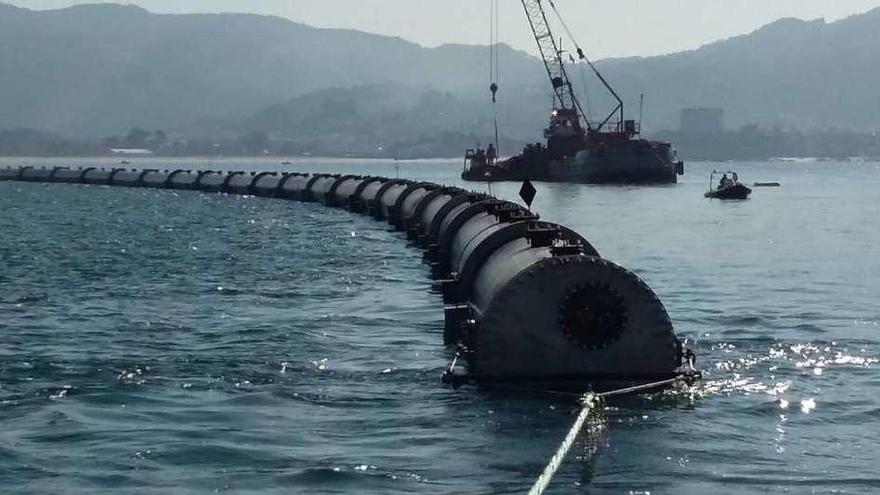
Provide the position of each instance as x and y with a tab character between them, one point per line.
157	341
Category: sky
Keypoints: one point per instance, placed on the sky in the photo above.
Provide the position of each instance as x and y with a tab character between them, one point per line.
605	28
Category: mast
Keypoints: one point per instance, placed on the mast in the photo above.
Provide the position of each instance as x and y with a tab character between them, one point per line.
551	54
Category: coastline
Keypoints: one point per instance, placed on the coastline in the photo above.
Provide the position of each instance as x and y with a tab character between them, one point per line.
108	160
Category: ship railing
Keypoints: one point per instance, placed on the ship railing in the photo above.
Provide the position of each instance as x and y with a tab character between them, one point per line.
615	126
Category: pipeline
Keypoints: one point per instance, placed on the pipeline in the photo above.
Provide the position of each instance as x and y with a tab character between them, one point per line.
526	301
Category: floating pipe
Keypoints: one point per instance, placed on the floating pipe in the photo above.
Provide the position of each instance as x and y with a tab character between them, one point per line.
224	186
181	179
240	183
386	198
293	186
84	174
126	178
364	196
97	176
449	228
589	316
9	173
67	175
526	300
343	190
266	184
405	207
426	209
155	179
319	189
210	181
496	216
432	227
31	174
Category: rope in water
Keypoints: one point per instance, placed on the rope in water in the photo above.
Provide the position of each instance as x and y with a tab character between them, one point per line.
589	402
556	461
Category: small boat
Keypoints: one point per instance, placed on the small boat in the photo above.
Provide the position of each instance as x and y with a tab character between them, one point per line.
729	187
287	162
125	162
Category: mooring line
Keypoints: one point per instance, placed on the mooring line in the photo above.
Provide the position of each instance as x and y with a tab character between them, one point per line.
588	403
556	461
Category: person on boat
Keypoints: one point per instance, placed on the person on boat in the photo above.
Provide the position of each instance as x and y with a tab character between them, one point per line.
725	182
491	154
480	157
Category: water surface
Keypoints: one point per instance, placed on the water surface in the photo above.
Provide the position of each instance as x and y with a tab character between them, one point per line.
162	341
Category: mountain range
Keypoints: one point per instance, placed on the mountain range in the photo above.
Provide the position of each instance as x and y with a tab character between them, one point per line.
94	70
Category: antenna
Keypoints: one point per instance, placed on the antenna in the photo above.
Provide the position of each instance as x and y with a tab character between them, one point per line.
641	111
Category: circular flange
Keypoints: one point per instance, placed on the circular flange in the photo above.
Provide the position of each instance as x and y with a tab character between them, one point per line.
593	315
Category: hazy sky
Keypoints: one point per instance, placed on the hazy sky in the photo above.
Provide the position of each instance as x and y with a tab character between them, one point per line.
605	28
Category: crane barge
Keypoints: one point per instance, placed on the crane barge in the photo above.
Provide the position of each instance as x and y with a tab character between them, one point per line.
576	149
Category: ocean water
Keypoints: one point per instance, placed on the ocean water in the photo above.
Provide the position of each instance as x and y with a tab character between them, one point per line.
177	342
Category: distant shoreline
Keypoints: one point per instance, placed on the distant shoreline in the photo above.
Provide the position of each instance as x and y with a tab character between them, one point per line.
118	159
271	159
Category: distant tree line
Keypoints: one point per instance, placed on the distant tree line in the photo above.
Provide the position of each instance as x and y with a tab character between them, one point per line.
750	142
137	139
30	142
33	142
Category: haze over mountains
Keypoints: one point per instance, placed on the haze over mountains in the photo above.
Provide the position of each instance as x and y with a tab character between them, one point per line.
97	70
788	73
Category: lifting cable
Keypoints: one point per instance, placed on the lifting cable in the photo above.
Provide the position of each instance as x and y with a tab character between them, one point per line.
582	56
494	63
586	91
580	52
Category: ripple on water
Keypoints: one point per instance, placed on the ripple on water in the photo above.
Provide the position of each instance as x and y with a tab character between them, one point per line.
195	342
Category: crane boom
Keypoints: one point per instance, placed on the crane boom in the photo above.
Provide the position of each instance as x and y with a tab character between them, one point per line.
551	54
